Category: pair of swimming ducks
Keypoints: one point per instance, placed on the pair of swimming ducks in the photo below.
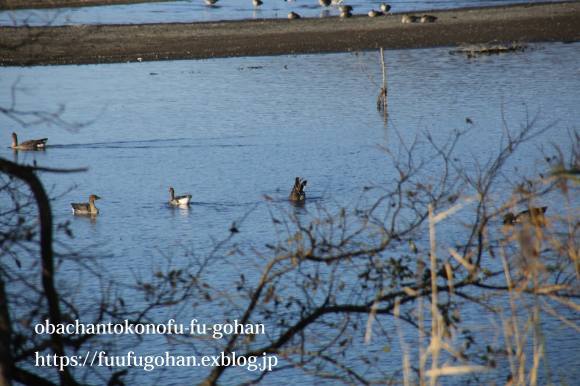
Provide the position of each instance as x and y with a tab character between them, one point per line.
89	208
297	196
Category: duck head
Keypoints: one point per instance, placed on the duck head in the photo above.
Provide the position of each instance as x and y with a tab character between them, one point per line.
93	197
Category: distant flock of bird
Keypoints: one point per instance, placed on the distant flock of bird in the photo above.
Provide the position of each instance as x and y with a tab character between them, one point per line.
533	215
346	11
297	195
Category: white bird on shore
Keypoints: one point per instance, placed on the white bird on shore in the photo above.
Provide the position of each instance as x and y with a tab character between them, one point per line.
385	7
345	15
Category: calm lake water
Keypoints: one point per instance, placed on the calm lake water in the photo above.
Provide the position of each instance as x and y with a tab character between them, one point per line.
230	131
188	11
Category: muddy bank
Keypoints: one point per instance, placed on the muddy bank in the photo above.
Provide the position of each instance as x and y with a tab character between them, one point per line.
24	4
122	43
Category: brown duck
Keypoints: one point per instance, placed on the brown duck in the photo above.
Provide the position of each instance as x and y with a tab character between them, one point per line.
297	194
86	208
33	144
533	215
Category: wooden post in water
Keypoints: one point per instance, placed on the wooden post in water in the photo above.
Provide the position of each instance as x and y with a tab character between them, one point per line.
382	98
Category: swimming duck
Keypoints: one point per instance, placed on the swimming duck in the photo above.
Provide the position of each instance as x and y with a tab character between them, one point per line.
179	200
211	2
33	144
324	3
86	208
297	194
373	13
409	19
428	19
534	215
293	15
385	7
257	3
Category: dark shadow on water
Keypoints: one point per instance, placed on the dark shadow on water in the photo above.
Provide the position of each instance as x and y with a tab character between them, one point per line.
216	206
149	144
92	219
182	210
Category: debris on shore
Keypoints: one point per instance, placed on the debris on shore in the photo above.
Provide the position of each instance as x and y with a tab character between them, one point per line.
473	51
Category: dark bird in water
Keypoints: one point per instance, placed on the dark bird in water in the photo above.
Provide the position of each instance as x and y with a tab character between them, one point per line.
297	194
85	208
535	216
33	144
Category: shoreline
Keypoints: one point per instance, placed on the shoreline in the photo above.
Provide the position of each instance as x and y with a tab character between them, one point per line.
89	44
9	5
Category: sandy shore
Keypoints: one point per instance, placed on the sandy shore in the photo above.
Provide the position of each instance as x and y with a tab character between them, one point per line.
123	43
